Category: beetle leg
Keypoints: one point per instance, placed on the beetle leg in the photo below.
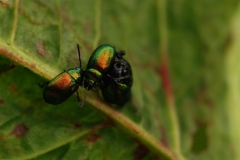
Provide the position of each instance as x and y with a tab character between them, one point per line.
78	99
115	88
81	103
111	77
84	98
101	84
114	83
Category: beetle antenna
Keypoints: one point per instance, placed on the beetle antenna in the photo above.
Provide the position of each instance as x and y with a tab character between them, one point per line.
79	53
84	98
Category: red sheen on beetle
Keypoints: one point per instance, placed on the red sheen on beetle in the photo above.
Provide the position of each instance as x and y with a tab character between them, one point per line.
103	60
64	81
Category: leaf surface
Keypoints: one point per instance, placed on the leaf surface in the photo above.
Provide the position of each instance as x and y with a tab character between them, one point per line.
182	86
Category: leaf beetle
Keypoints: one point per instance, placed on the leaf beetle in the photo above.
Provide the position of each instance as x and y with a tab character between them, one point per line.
118	81
109	71
64	85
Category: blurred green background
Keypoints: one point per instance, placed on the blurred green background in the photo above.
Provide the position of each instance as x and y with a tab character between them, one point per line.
184	56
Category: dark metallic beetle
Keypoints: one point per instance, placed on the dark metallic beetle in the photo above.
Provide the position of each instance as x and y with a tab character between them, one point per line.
118	81
98	64
106	69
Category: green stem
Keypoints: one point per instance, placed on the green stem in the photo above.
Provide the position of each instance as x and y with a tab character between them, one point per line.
164	71
15	20
232	70
133	129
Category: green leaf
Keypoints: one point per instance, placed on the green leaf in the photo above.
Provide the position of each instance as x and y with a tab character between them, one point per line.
184	96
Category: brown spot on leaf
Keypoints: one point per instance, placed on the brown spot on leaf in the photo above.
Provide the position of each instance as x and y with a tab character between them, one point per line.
108	123
41	48
15	150
1	101
12	88
76	125
209	103
20	130
140	152
92	138
4	4
32	65
2	138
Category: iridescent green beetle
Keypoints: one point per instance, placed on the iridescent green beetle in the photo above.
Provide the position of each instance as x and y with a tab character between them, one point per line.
99	63
108	70
64	85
